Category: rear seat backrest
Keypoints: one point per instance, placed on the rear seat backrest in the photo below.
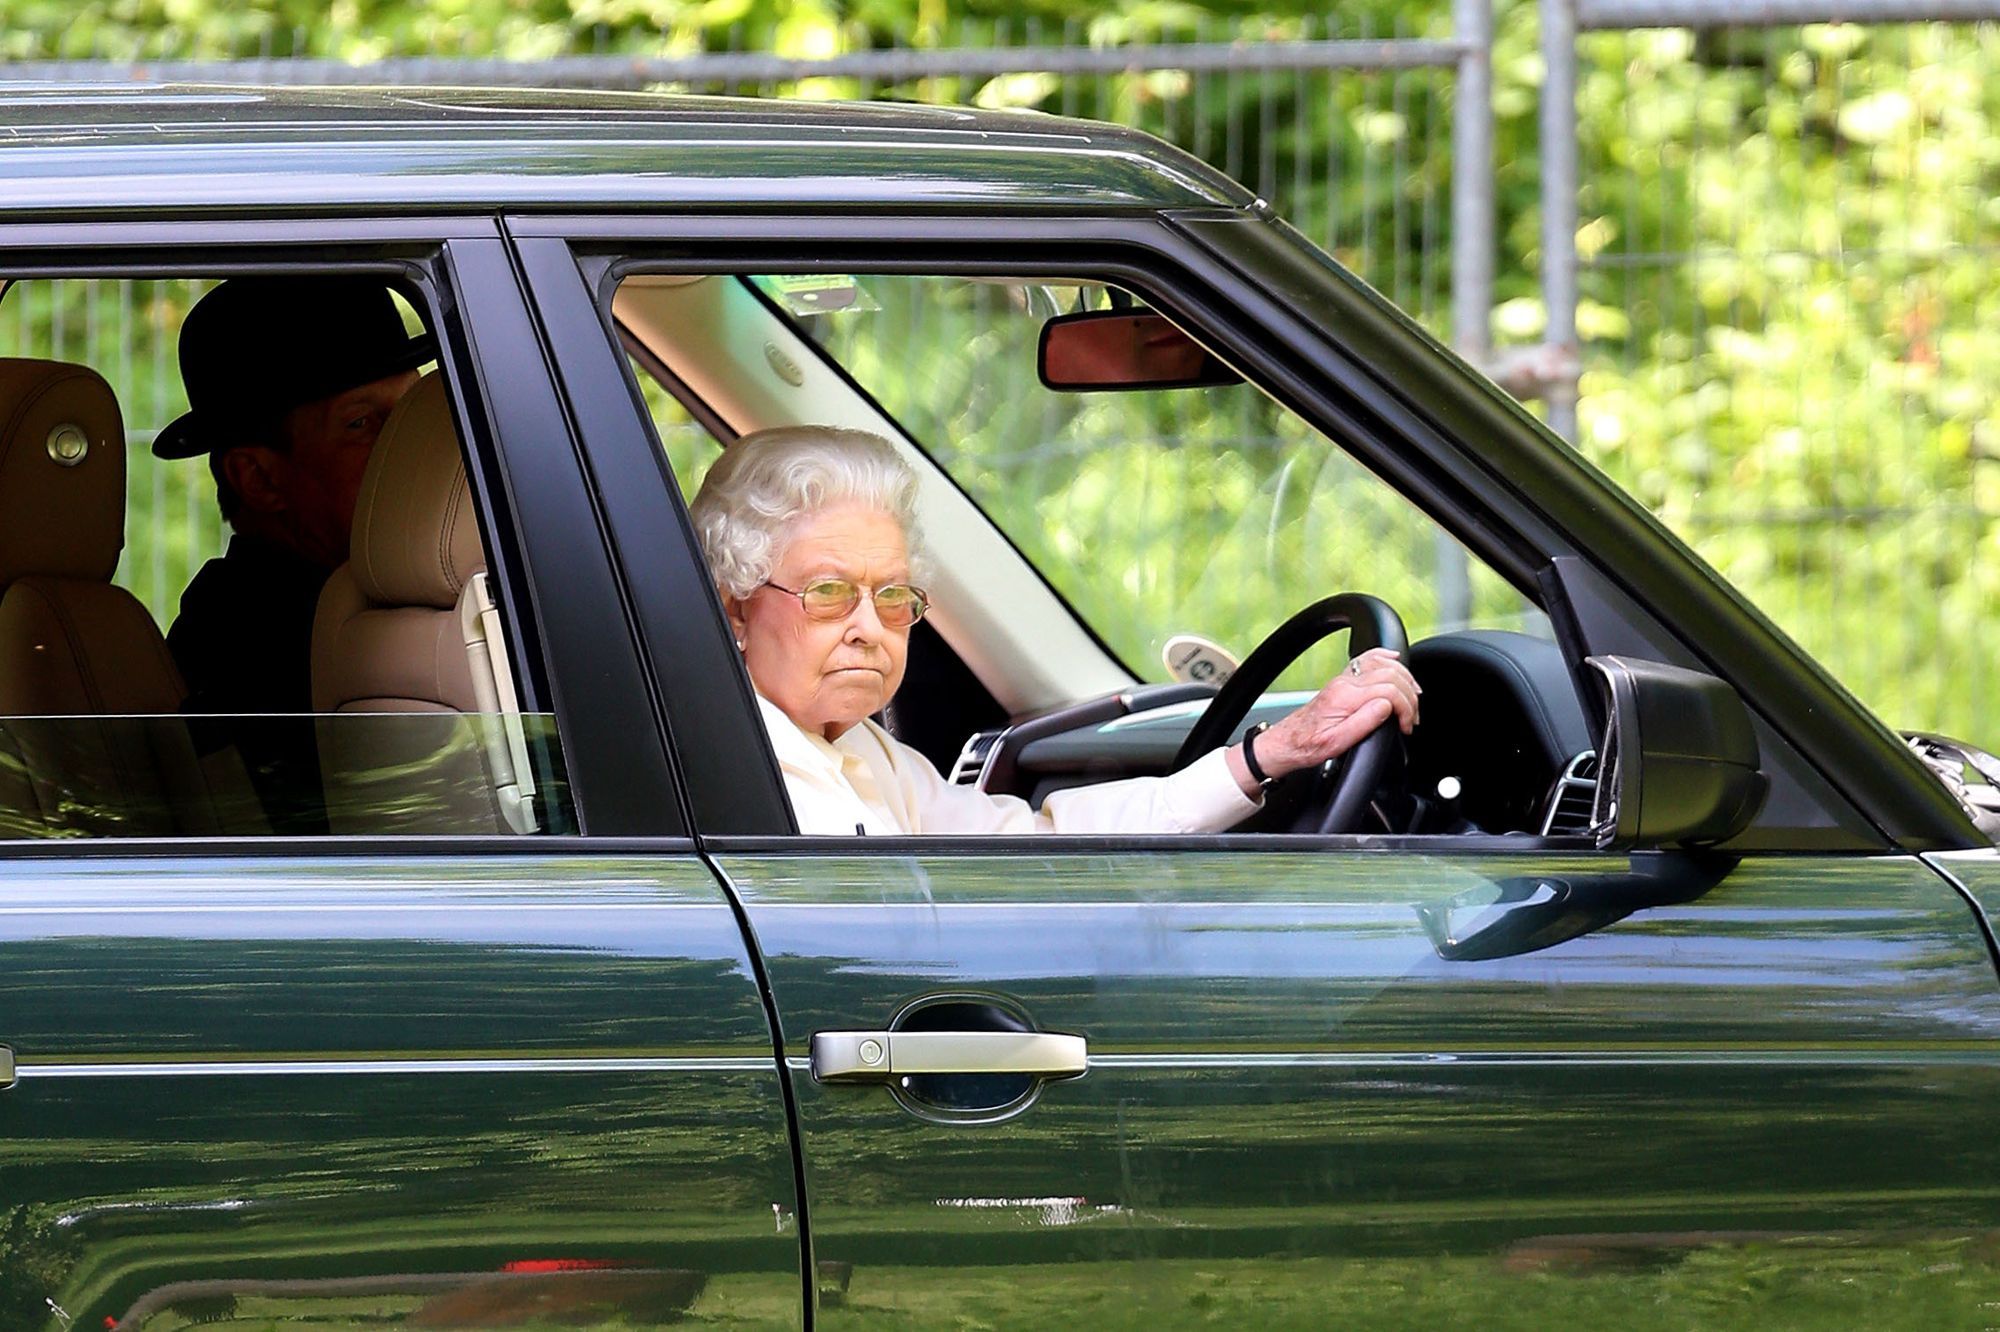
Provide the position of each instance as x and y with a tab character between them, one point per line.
398	630
386	637
71	643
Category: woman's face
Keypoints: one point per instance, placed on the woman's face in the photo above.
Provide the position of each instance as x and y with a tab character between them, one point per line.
826	675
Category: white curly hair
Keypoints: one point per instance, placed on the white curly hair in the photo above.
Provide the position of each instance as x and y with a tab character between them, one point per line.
769	480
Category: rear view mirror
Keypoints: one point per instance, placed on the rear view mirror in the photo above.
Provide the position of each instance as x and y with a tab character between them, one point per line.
1678	765
1106	350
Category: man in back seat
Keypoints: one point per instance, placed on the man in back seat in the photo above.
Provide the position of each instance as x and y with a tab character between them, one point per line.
289	380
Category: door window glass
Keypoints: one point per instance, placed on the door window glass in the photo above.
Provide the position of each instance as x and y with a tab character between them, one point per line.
1068	543
197	637
1211	510
689	447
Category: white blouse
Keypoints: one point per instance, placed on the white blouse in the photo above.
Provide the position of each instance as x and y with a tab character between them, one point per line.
871	783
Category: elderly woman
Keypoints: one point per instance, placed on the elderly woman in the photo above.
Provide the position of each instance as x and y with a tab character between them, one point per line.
811	534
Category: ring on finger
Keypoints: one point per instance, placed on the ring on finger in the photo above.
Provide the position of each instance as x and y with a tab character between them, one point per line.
1354	667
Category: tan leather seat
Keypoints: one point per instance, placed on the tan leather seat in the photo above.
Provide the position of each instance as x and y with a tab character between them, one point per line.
386	636
72	645
400	630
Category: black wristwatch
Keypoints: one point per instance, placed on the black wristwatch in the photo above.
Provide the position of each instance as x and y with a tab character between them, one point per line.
1262	778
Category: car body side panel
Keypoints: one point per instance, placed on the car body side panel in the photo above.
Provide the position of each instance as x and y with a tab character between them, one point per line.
333	1091
1977	875
1777	1090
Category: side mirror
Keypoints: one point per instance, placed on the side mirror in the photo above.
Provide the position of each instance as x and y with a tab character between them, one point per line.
1678	765
1098	351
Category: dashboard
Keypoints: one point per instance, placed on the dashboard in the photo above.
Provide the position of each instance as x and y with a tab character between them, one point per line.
1503	735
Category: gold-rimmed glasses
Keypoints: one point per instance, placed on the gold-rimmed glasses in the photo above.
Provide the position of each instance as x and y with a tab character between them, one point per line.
897	605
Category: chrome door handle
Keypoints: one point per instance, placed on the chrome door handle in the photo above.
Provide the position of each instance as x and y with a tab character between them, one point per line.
880	1056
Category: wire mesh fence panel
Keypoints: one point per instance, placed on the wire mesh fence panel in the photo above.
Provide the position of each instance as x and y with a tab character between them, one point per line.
1358	158
1792	333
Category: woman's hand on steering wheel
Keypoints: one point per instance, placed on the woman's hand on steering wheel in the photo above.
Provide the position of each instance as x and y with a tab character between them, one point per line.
1374	687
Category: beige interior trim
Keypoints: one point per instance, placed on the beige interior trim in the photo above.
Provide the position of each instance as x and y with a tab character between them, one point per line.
493	687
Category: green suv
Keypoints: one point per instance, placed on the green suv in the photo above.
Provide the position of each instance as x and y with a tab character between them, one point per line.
1649	983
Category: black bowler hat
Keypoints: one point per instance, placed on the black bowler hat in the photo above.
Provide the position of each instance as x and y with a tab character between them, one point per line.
256	347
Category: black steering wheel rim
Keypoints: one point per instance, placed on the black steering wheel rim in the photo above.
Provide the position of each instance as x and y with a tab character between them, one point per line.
1371	623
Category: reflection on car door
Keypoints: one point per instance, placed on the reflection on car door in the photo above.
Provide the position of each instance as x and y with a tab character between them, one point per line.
1309	1096
442	1091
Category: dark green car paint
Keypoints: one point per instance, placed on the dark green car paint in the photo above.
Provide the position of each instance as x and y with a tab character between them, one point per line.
334	1078
1976	875
1289	1083
222	151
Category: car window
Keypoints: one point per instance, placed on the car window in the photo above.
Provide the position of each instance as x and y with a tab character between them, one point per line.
690	448
197	637
1076	547
1157	515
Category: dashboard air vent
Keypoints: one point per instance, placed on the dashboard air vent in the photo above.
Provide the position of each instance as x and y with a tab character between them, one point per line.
1572	803
971	760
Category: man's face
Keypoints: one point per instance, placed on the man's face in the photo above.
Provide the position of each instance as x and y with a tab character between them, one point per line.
304	497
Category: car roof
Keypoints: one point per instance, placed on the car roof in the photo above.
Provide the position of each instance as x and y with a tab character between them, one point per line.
125	148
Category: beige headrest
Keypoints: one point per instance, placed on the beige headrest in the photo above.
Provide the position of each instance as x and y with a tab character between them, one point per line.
416	540
62	472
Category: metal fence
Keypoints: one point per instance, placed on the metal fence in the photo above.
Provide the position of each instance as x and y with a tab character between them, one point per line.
1807	403
1789	347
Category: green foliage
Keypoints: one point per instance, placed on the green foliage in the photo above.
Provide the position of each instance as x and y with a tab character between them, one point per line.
1795	226
363	30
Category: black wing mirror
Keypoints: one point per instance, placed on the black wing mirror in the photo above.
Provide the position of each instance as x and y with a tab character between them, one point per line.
1678	768
1097	351
1678	765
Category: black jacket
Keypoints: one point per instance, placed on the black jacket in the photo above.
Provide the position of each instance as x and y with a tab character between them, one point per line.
243	642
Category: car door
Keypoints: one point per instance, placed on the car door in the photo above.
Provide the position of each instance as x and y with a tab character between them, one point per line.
456	1079
1288	1081
1296	1108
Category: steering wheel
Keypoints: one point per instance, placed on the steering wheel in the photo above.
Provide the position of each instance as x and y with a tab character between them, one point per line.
1352	777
